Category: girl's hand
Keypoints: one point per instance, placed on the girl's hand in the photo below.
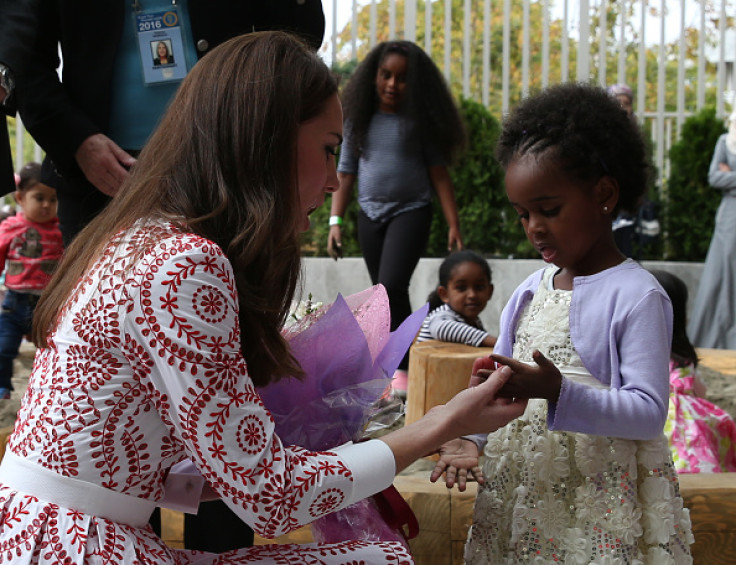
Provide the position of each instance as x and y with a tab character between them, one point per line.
454	239
543	381
334	243
457	458
482	368
473	410
699	387
489	341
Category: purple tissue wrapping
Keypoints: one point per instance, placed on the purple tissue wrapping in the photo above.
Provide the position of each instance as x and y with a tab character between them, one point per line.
349	356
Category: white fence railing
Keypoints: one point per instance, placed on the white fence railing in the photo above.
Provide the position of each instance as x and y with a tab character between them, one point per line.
678	55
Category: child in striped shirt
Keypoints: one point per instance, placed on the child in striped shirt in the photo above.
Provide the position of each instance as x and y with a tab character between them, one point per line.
454	306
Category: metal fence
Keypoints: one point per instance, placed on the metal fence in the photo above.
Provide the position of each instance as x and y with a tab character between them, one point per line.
680	52
650	44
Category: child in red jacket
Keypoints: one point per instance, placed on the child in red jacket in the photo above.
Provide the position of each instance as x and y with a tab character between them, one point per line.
30	247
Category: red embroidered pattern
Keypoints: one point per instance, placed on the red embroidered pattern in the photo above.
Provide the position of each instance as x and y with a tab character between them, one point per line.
144	369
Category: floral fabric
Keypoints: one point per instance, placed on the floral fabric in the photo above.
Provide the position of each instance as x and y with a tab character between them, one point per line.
701	435
143	370
570	497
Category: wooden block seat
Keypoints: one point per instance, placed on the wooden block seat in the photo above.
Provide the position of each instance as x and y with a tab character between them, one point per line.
438	371
4	435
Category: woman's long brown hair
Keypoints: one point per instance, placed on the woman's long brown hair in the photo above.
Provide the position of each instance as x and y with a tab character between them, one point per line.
222	164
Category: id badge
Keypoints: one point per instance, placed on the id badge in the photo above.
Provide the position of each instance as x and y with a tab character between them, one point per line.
161	47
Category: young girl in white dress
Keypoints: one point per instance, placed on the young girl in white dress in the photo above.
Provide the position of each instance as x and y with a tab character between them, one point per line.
585	475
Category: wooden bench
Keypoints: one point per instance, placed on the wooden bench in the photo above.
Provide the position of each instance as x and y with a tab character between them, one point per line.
445	515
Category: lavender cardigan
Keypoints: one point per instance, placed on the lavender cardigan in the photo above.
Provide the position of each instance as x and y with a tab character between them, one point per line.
621	326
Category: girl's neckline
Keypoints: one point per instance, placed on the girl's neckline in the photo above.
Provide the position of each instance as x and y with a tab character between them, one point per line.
558	270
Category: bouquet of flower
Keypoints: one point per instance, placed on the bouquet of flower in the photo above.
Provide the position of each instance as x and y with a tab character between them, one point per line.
349	355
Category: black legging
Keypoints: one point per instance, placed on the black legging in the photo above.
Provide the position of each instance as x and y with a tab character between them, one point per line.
391	251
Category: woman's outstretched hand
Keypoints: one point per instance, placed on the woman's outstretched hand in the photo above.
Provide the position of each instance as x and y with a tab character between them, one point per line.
458	457
479	409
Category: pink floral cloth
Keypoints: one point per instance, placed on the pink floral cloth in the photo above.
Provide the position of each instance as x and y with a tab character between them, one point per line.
701	435
144	369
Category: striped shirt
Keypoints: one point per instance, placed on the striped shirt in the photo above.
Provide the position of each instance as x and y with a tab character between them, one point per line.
444	324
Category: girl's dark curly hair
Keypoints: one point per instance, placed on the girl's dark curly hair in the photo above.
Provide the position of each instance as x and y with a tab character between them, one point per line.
427	100
683	352
586	132
448	266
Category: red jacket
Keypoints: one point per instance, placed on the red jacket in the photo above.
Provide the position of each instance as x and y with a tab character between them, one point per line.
29	252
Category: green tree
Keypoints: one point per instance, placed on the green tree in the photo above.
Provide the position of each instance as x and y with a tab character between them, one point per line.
28	150
488	223
691	203
28	143
653	57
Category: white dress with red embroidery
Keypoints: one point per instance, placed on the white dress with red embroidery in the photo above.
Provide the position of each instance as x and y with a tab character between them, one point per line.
142	371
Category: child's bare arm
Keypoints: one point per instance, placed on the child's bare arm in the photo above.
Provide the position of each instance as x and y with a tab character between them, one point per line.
488	341
699	387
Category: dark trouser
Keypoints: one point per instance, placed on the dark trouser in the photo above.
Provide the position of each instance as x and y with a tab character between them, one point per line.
391	251
75	211
215	528
15	322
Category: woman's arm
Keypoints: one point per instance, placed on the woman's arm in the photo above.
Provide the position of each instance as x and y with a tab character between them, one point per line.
440	177
340	201
720	174
187	349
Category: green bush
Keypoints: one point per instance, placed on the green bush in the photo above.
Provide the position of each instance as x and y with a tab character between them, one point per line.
487	222
691	203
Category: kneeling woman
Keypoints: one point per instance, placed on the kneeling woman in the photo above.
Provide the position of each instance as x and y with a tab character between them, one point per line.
164	316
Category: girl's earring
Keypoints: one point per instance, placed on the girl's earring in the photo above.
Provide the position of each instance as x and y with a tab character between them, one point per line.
605	209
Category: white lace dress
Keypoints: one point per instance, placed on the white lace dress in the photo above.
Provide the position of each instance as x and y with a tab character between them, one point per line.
570	497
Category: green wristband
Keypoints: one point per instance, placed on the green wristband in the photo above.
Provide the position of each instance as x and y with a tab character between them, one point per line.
335	220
